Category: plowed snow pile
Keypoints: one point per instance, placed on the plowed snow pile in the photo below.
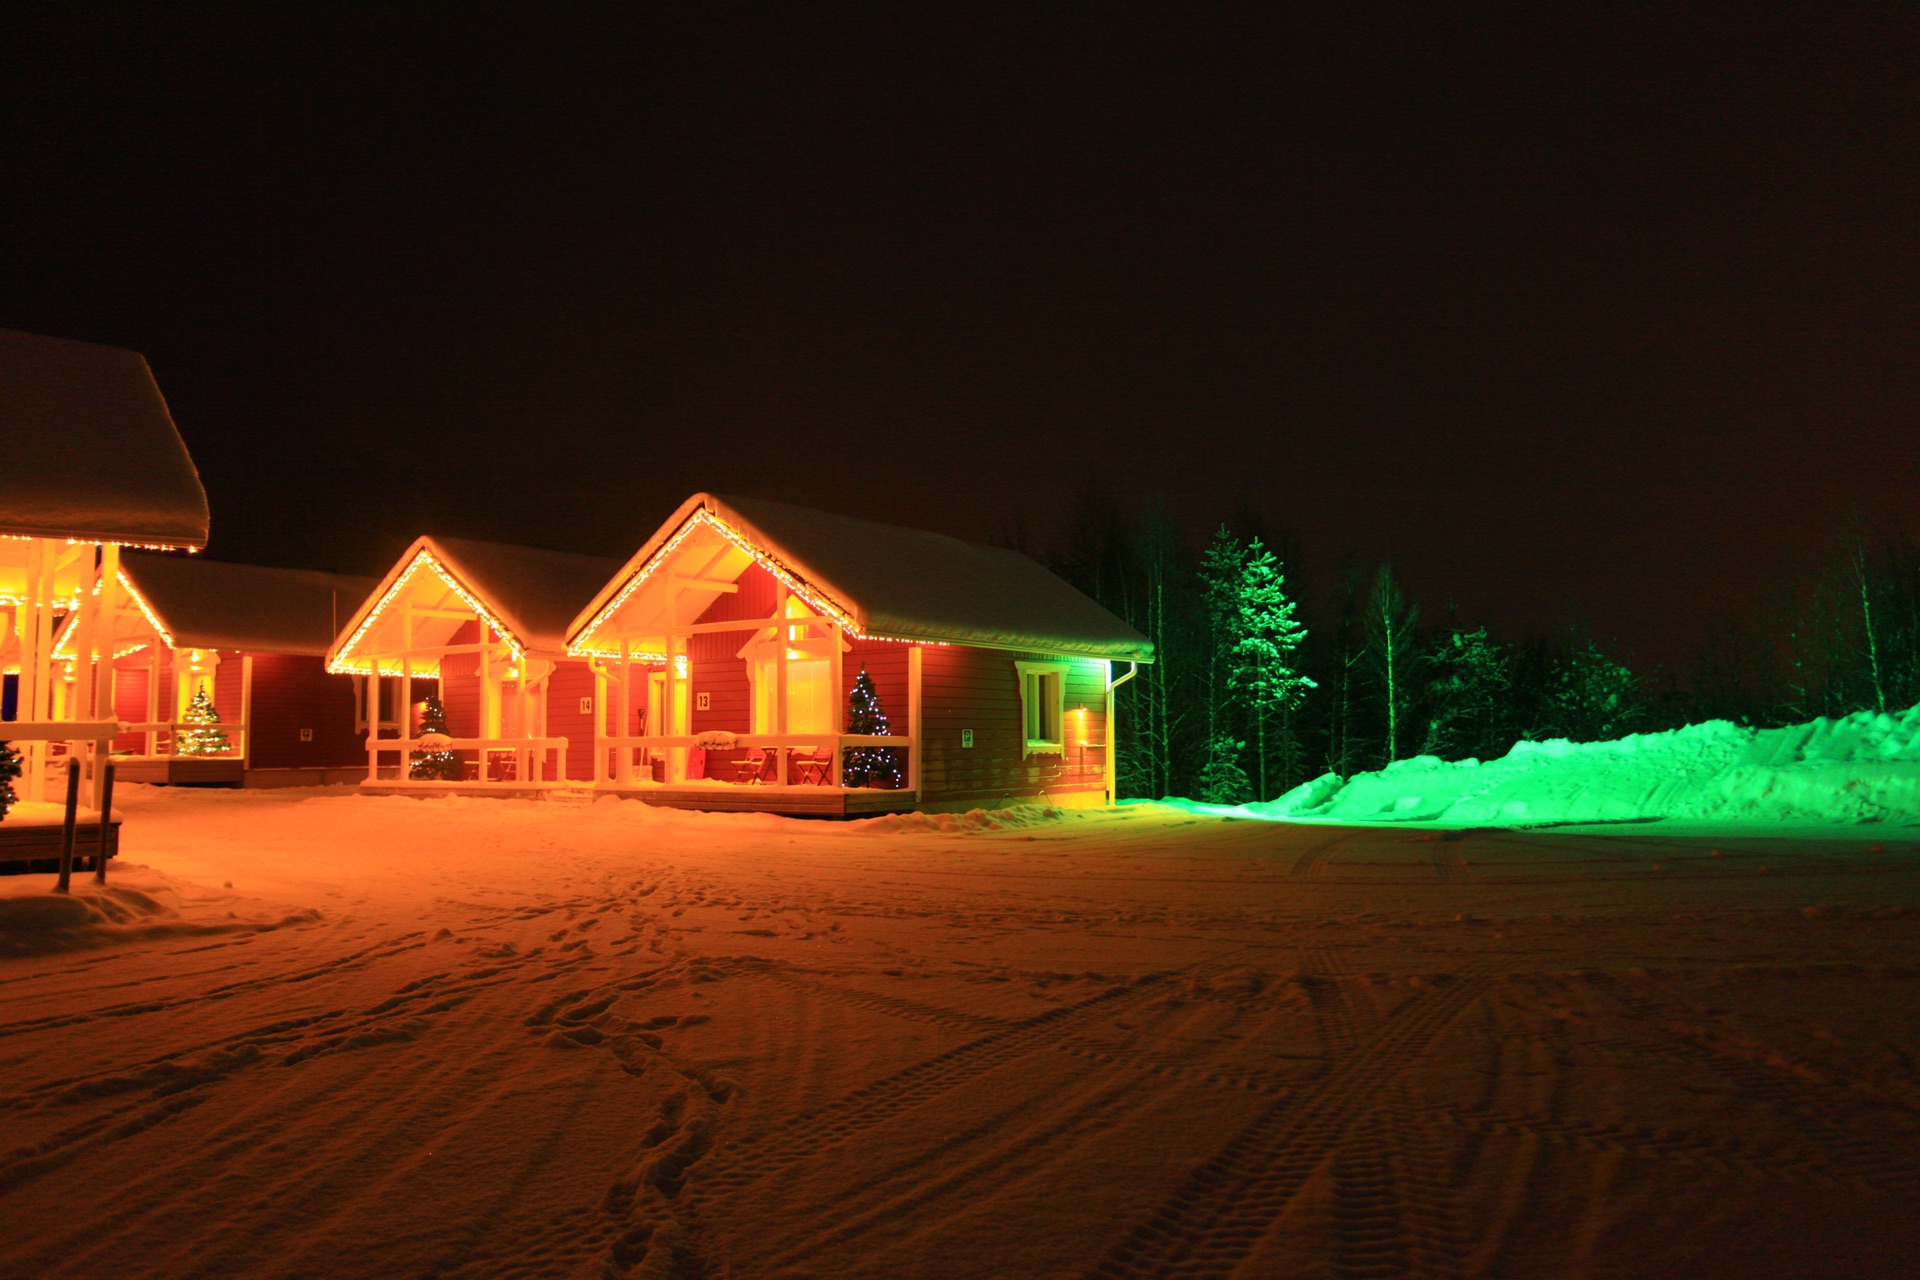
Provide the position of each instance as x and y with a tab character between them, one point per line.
1861	768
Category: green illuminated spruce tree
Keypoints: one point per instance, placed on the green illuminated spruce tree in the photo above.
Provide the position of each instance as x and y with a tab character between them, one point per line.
428	764
9	770
205	737
868	766
1223	778
1265	634
1469	687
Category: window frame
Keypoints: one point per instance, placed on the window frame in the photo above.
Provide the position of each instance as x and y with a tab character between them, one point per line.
1036	679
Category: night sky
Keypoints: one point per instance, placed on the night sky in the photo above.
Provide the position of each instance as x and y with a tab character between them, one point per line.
1617	311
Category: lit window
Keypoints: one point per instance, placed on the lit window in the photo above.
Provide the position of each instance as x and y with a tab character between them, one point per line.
1043	701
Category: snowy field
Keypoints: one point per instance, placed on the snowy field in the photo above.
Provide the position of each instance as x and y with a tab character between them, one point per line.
336	1035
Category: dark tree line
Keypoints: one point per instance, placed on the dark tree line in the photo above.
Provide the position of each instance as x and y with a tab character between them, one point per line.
1263	683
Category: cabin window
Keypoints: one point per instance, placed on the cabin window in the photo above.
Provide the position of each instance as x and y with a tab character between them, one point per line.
810	702
1043	703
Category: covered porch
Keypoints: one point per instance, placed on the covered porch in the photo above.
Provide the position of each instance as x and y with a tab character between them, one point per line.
477	626
153	689
726	685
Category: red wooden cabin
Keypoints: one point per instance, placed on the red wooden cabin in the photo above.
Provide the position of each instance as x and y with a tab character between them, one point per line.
483	625
725	652
255	640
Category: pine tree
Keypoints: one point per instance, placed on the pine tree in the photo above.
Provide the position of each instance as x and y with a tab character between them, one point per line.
868	766
1265	635
207	739
1389	629
1594	697
1223	780
1222	571
9	770
1469	687
427	764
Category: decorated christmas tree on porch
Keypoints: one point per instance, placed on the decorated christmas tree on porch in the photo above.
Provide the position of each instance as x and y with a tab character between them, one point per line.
434	762
205	738
9	770
868	766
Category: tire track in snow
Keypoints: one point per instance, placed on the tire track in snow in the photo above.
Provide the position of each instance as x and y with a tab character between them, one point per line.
806	1135
1313	861
1790	1095
1727	1155
1217	1219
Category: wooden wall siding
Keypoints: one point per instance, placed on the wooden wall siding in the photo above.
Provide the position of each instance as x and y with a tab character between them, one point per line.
291	693
130	700
226	687
979	689
460	685
570	682
886	662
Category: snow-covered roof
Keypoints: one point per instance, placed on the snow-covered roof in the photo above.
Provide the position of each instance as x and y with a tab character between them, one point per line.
881	580
204	604
88	450
528	594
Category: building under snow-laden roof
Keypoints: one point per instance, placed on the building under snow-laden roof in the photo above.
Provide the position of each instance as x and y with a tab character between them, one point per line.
254	640
744	651
90	461
483	626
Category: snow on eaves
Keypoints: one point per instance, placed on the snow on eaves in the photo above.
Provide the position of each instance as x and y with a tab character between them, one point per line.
205	604
908	584
88	450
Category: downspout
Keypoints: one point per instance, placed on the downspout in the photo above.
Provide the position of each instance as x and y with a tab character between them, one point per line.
1133	669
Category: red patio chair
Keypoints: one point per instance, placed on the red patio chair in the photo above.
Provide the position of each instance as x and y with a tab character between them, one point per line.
753	766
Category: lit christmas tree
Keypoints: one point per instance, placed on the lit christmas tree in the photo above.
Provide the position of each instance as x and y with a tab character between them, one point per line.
869	766
431	763
9	770
206	740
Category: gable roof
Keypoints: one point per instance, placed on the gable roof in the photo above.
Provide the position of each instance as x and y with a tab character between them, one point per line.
529	594
204	604
892	583
88	450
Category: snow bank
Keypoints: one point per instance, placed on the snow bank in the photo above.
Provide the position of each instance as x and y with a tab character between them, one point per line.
972	821
35	921
1857	769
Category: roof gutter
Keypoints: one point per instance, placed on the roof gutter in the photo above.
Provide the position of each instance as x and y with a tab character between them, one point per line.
1133	669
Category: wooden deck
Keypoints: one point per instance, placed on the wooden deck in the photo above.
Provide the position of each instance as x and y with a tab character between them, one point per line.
182	771
798	802
36	847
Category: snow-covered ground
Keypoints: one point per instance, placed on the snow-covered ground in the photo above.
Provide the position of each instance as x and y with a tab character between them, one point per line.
1862	768
334	1035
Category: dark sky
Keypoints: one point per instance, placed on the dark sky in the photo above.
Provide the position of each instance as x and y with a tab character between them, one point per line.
1618	309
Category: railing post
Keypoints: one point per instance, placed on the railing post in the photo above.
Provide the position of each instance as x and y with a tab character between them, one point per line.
106	827
66	832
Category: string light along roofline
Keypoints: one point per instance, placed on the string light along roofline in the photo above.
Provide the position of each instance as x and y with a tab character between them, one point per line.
583	647
342	663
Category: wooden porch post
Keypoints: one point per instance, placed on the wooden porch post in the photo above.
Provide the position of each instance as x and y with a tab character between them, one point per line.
916	777
623	763
488	713
838	674
108	604
780	681
152	745
246	712
373	721
32	661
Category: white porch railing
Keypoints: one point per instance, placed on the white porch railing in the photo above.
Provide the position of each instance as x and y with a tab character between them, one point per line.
158	748
619	760
517	762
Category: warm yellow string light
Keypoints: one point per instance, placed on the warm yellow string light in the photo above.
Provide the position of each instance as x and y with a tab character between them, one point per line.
342	664
583	647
